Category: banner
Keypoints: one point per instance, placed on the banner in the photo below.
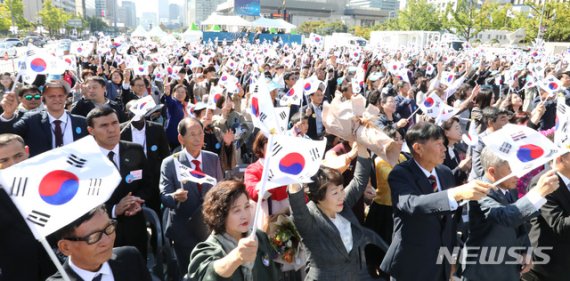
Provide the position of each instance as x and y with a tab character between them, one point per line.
247	7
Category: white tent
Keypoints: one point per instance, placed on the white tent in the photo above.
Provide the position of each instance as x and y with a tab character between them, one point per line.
191	35
156	32
139	32
272	23
225	20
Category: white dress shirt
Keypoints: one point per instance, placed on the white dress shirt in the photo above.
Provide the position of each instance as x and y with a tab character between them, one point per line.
190	158
139	136
345	230
452	203
88	275
66	128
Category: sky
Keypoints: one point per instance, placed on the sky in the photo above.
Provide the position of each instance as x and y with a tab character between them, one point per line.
150	5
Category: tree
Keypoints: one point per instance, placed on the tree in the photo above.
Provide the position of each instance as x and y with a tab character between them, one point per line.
96	24
465	21
16	9
5	20
419	15
322	27
53	18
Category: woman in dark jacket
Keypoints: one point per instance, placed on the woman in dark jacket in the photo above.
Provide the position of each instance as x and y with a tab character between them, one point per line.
230	252
328	227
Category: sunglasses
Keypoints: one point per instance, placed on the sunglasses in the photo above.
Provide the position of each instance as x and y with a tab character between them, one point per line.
35	97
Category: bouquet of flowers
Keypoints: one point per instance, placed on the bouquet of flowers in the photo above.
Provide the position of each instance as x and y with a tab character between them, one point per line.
286	241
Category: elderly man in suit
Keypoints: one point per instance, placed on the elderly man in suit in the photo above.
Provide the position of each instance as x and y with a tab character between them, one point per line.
88	244
125	203
23	257
498	221
315	112
424	200
550	229
185	225
495	119
152	138
44	130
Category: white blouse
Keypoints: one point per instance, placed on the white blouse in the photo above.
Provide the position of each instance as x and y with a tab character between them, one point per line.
345	229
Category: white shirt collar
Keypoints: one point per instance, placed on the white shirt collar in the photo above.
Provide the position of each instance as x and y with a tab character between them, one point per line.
133	128
190	157
106	151
564	179
62	118
88	275
426	172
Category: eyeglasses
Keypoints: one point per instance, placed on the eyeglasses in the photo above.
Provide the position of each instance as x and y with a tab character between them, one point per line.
30	97
97	235
139	85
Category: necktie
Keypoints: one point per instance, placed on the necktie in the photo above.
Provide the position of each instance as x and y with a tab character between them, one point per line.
198	169
97	277
433	182
111	156
58	133
510	198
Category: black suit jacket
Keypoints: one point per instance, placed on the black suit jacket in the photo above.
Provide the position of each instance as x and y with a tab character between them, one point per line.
35	129
126	264
312	130
131	230
423	223
22	256
83	107
156	150
551	229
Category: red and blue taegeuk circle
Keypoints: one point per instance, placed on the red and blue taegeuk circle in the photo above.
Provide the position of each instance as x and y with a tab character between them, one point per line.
255	106
38	65
529	152
429	102
553	86
58	187
292	163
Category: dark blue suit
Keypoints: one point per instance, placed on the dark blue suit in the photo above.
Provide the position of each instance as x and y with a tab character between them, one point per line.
35	129
423	223
185	225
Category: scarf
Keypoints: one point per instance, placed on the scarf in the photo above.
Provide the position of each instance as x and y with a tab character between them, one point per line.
228	244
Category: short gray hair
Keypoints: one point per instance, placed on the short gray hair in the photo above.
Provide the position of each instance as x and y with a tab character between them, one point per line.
490	159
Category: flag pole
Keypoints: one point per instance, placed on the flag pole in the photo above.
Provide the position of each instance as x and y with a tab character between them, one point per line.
495	184
262	189
54	259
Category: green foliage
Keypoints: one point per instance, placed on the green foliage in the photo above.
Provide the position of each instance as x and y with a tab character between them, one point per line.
96	24
5	21
16	9
322	27
53	18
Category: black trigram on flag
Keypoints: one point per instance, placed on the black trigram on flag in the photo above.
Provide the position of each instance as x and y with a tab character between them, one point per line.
505	148
76	161
518	136
262	116
270	175
283	115
562	109
38	218
18	187
314	152
94	187
276	148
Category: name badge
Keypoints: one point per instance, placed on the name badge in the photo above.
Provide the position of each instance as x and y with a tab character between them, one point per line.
134	176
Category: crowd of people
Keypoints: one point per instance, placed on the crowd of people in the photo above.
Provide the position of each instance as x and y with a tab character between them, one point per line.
363	216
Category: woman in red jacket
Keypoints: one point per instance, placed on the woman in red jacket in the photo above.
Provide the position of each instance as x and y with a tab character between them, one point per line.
275	200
